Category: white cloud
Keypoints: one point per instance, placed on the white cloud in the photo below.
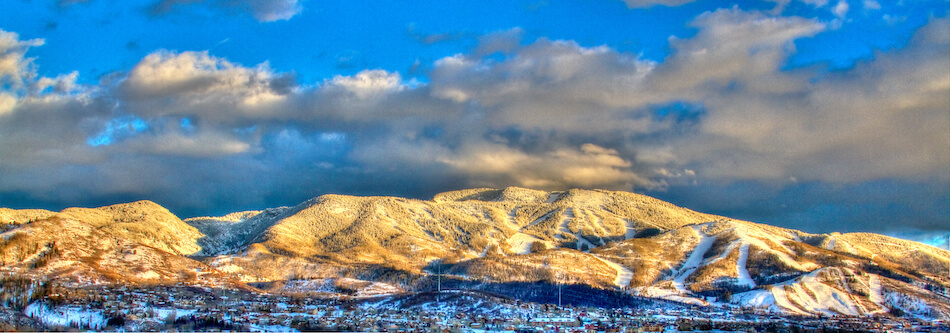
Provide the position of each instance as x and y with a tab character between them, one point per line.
63	83
547	80
732	46
195	83
871	5
7	103
15	68
885	118
841	9
369	83
591	166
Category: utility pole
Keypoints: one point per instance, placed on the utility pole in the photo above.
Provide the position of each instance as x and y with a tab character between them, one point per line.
559	294
438	296
558	277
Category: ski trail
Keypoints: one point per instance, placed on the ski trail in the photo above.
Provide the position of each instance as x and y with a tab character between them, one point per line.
485	251
511	220
695	259
539	220
597	223
631	231
624	275
567	217
744	277
876	291
831	244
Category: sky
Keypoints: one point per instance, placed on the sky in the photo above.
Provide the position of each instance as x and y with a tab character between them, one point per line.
819	115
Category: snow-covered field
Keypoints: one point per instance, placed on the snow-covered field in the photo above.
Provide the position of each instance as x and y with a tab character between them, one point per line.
65	316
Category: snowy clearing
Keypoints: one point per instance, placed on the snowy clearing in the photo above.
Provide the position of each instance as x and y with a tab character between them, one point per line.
65	316
624	275
520	243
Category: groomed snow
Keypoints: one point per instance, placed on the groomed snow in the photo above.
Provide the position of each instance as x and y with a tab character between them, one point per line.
813	294
521	243
624	275
763	299
876	295
631	231
808	294
667	294
744	277
694	260
755	237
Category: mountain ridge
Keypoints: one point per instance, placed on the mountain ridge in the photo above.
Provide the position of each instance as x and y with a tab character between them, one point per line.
611	240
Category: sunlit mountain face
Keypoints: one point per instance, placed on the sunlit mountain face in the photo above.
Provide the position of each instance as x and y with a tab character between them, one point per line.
596	257
816	115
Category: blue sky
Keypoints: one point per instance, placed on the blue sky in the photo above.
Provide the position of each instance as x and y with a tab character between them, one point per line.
821	115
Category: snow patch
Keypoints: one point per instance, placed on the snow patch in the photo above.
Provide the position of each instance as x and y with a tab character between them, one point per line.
624	275
163	313
65	316
667	294
763	299
520	243
147	275
631	231
271	328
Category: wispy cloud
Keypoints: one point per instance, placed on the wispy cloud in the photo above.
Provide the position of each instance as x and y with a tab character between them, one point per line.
262	10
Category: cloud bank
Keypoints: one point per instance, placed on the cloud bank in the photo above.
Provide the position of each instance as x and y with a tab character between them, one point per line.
198	133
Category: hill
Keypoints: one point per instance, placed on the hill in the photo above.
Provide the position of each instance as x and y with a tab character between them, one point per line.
607	243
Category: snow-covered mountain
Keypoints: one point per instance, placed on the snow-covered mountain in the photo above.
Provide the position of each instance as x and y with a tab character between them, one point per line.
480	238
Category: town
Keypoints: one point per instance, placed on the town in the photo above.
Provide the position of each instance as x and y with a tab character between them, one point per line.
194	308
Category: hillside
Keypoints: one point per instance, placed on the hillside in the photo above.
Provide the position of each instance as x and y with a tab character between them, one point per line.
142	221
139	242
490	239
